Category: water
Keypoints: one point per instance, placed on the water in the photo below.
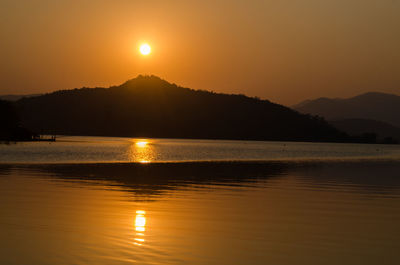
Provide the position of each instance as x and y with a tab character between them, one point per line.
342	208
109	149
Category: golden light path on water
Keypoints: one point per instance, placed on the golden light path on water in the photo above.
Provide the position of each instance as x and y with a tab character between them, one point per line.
142	151
140	227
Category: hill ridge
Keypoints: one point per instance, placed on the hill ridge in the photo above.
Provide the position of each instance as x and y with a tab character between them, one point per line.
148	106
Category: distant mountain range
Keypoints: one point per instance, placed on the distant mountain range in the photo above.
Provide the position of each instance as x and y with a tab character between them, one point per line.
372	106
367	113
17	97
148	106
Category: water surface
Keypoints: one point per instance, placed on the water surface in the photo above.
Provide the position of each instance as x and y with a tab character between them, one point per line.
201	213
198	202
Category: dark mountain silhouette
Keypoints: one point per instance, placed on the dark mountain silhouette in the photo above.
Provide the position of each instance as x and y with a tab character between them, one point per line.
373	106
148	106
385	132
10	129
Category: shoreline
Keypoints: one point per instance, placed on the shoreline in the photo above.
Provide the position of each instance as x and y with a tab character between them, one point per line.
214	162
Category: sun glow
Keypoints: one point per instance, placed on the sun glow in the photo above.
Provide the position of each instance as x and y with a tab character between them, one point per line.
140	221
142	151
145	49
140	227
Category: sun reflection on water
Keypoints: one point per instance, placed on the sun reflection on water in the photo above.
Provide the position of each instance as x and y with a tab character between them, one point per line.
142	143
142	151
140	227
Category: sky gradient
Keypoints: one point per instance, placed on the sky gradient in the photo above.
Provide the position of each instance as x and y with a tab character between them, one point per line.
284	51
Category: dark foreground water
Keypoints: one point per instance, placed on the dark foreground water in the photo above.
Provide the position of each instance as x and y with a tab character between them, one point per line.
201	213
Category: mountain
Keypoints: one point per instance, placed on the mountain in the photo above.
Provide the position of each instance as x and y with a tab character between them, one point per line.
148	106
372	106
385	132
16	97
10	129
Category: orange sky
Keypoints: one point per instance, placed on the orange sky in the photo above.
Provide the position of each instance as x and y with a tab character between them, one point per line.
285	51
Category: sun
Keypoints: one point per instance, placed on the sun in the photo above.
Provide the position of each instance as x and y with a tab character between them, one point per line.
145	49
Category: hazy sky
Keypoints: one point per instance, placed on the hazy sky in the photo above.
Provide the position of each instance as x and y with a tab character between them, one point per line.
282	50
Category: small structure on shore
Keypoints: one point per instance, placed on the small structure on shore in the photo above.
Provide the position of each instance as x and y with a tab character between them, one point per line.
44	138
